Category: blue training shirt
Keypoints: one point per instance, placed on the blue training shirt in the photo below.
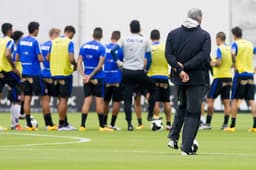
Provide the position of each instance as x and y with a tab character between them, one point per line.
91	53
45	48
111	69
28	50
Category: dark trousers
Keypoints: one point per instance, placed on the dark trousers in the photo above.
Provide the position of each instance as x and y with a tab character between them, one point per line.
187	115
131	78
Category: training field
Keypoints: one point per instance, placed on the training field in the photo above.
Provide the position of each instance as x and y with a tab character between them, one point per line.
138	150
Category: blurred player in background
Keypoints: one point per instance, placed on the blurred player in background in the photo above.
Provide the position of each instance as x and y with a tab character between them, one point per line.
112	81
135	47
158	72
62	66
15	95
92	55
9	74
222	80
243	81
29	54
48	80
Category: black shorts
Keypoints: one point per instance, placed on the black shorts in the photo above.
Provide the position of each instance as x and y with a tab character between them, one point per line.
222	87
114	92
94	88
9	78
15	94
63	87
140	91
50	88
243	88
163	90
32	85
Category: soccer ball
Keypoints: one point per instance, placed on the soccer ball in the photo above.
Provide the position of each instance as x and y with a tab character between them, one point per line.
157	125
34	122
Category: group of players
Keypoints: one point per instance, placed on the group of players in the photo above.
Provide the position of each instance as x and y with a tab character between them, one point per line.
29	68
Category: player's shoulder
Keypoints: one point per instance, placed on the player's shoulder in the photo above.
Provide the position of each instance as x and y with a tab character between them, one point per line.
46	43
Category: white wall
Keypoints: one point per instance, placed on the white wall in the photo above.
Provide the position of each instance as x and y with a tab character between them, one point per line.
111	15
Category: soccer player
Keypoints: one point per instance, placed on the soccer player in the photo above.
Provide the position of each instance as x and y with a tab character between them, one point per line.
222	81
158	72
92	55
48	80
15	94
29	54
112	81
243	83
62	66
135	47
9	74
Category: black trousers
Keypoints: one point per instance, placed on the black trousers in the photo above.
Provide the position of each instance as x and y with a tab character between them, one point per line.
187	115
131	78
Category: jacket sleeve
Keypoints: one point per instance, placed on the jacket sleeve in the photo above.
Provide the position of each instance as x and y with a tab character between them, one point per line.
202	57
169	54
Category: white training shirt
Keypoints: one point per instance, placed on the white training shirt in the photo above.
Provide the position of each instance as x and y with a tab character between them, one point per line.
134	48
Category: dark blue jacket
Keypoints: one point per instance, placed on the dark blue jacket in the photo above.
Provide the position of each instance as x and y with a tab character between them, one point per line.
191	47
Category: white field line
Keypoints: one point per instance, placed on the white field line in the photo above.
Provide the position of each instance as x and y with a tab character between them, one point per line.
76	140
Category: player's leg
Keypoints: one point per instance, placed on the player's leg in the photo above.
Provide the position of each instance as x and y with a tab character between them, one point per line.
64	90
138	110
117	98
129	84
238	93
168	111
227	110
250	98
49	88
108	93
85	110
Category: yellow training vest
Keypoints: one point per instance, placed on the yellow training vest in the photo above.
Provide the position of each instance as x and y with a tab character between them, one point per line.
4	63
59	58
244	56
159	65
224	70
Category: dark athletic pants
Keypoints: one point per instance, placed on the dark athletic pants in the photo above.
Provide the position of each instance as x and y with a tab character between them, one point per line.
131	78
188	114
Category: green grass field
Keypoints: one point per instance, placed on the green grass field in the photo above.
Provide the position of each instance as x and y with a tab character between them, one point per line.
138	150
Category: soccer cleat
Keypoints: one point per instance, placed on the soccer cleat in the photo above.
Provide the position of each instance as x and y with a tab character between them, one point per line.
173	144
3	128
252	130
31	129
229	129
115	128
168	127
82	129
105	129
205	127
52	128
66	128
140	127
18	127
130	128
224	126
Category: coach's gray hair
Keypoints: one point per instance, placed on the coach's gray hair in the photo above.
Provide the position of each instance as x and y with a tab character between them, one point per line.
195	14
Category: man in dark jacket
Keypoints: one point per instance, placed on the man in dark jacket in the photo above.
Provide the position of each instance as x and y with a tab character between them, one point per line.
188	52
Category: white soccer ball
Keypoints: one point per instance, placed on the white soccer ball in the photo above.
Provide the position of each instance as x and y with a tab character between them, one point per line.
157	125
34	122
195	146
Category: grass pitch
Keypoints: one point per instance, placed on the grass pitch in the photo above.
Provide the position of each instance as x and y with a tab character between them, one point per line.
138	150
